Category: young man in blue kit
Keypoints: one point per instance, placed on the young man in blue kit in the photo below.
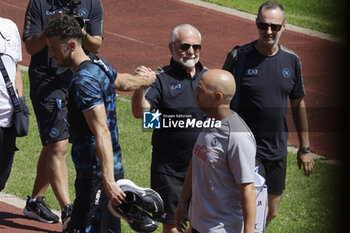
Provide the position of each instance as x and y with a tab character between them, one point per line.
93	126
267	75
48	92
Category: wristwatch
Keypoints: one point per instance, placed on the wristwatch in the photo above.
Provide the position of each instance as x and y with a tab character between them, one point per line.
305	149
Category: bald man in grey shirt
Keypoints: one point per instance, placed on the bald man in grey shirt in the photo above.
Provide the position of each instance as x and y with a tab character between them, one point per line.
219	187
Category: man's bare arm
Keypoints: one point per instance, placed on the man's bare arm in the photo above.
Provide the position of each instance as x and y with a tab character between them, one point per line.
97	121
248	200
19	81
139	103
35	44
302	127
92	43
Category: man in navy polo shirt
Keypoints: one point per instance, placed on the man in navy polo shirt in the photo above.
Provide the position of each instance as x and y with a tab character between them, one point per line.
48	92
172	94
267	75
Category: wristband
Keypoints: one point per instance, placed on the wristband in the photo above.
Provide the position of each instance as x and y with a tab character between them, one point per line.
305	149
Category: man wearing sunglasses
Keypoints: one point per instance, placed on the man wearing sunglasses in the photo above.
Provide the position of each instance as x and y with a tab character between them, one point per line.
267	75
171	94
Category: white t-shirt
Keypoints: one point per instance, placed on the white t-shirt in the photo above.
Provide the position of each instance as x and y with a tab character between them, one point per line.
222	158
11	54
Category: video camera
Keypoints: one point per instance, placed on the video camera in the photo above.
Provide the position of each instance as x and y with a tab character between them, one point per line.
70	6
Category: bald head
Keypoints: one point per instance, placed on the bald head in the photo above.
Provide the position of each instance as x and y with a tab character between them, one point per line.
220	81
214	93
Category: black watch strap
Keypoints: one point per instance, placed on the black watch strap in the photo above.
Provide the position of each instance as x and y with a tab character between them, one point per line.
305	149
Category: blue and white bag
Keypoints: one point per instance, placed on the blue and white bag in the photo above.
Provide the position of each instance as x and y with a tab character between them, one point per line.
261	201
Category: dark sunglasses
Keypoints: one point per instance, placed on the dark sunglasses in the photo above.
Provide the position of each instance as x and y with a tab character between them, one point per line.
265	26
185	47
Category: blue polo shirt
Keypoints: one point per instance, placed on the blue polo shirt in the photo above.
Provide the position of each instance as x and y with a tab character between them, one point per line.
46	78
92	85
264	86
171	94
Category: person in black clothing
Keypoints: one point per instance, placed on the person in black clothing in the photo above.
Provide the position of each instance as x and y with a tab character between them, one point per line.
171	94
267	75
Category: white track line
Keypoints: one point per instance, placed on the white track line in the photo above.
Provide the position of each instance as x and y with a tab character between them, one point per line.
132	39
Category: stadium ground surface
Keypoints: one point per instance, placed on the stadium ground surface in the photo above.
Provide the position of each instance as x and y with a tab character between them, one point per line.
137	32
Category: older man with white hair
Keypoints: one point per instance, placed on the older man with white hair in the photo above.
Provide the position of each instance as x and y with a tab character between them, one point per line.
171	94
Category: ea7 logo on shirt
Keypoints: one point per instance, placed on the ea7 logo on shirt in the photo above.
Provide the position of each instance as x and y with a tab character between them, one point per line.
49	12
175	86
151	120
252	72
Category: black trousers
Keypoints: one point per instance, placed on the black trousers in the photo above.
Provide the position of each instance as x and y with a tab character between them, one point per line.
90	207
7	151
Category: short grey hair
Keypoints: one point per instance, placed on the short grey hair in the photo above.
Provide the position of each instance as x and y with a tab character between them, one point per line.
175	32
271	5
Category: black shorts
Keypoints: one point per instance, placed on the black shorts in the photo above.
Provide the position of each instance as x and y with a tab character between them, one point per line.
274	172
90	208
51	116
169	188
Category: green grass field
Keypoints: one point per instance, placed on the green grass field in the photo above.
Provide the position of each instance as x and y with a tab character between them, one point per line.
308	204
321	15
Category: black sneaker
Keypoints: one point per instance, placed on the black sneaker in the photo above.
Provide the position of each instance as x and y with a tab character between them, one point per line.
66	216
39	211
137	219
146	198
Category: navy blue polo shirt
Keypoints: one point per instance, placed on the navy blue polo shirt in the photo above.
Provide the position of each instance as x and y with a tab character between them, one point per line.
264	86
46	78
172	93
